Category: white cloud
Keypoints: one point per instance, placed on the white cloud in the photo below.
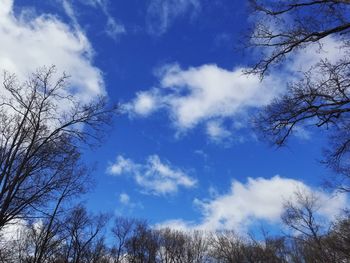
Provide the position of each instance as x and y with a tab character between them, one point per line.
143	105
212	92
216	131
124	199
6	7
258	199
28	43
206	94
154	176
177	224
217	97
161	14
120	166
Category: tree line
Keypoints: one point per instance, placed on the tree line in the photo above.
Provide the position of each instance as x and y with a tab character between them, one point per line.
82	237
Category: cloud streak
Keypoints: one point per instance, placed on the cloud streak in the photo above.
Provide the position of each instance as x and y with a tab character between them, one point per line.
113	28
161	14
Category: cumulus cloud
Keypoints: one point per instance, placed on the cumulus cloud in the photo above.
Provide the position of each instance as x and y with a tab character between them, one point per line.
154	177
221	99
144	104
30	42
205	94
161	14
257	199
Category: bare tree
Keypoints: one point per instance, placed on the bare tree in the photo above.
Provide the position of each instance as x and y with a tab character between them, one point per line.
122	231
82	236
338	239
283	26
41	127
320	98
143	244
197	247
310	232
227	247
270	249
47	233
173	244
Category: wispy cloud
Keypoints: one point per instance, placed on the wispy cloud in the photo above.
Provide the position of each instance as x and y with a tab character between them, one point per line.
127	205
68	9
161	14
257	199
154	176
217	132
113	28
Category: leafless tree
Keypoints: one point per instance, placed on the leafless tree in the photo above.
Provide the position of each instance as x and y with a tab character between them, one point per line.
82	236
143	244
338	239
46	235
177	246
308	230
197	247
320	98
227	247
41	128
122	231
283	26
74	237
173	244
14	245
270	249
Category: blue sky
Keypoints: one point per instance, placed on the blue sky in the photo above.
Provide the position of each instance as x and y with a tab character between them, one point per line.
182	151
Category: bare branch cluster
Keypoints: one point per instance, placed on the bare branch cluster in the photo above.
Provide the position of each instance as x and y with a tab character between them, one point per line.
281	27
41	128
320	98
